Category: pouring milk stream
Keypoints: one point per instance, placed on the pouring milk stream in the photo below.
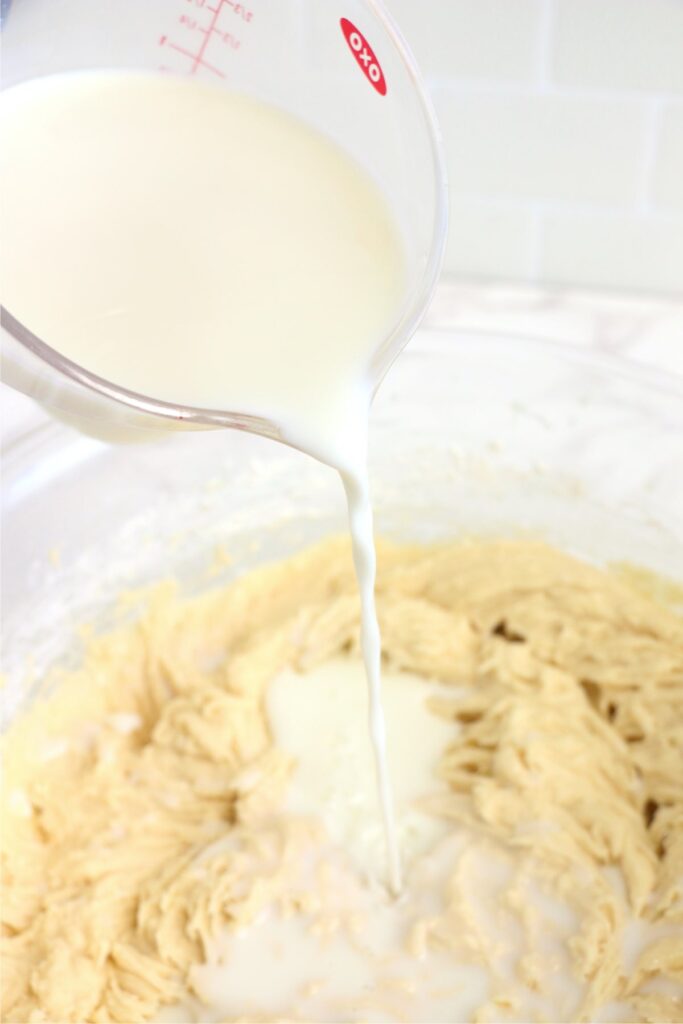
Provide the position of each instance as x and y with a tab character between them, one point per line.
197	246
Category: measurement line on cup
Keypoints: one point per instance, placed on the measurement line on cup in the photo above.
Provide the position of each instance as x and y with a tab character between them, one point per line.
199	59
191	22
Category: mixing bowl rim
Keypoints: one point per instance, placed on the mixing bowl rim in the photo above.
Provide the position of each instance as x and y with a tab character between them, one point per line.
633	370
429	341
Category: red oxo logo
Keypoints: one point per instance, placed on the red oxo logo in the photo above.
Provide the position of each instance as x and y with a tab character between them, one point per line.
365	56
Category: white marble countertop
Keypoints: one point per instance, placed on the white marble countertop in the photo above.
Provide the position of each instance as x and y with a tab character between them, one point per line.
642	329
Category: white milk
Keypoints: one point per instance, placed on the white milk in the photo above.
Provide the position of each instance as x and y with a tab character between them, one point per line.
314	717
198	247
201	248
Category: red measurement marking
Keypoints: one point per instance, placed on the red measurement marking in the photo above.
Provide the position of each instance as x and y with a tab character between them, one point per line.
197	62
201	28
365	56
228	38
199	59
187	22
241	10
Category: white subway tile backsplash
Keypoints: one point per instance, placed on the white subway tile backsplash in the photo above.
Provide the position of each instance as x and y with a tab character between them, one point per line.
473	39
542	146
610	251
563	126
668	172
619	44
490	240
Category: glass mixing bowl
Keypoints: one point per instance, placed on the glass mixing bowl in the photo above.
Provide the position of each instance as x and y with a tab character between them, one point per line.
471	434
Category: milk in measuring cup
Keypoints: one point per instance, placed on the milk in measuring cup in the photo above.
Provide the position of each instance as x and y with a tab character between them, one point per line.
199	247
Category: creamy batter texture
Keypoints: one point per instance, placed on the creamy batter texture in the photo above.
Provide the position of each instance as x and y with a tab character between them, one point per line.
145	812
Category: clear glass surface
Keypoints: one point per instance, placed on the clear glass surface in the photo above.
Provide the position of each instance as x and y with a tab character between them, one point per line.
471	435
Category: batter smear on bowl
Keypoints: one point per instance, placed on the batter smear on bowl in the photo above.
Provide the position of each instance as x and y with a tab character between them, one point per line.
167	838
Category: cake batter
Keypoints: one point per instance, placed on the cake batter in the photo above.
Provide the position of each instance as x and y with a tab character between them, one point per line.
156	824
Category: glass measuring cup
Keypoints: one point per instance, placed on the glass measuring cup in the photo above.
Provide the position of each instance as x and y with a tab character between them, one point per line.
344	69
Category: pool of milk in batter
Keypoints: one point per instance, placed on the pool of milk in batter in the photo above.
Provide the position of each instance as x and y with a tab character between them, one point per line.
361	968
361	956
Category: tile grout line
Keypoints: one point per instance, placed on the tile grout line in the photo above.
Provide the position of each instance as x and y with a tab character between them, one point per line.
537	233
648	161
567	207
506	87
544	47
